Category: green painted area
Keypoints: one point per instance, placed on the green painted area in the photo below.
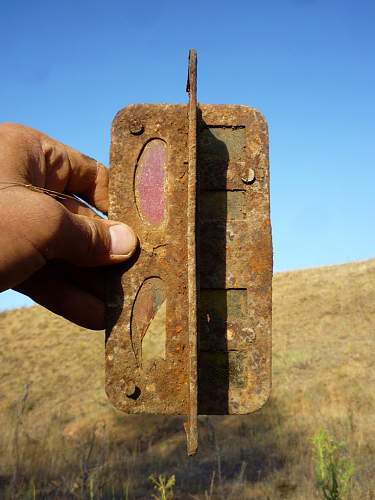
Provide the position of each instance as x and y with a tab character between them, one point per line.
212	139
222	306
223	205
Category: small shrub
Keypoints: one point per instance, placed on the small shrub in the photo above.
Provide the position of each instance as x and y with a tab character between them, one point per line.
163	486
333	471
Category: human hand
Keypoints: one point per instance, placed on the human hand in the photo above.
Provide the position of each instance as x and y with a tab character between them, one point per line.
49	247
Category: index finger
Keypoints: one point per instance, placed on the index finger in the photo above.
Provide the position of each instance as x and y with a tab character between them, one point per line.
36	158
88	178
74	172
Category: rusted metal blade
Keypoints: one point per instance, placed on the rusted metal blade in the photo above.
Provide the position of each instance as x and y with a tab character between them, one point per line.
191	427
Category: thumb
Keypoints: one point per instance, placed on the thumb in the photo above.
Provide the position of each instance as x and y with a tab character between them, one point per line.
87	241
35	228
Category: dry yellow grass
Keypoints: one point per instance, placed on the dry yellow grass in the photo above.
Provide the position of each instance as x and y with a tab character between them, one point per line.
72	443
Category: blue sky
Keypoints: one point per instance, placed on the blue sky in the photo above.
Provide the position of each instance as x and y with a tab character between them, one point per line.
308	65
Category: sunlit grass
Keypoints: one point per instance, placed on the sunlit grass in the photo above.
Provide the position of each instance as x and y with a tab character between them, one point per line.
64	439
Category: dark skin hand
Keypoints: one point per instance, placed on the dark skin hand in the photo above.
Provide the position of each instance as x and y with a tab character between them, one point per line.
50	249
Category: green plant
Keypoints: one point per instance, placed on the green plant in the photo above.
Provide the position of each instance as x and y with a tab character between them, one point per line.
333	471
164	486
126	491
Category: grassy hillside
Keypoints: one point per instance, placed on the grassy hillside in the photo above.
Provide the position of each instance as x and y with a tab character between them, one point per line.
61	438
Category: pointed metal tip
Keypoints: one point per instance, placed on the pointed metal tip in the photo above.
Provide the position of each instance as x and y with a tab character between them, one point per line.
192	63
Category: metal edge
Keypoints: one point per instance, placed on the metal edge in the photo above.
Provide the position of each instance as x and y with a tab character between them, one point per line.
191	426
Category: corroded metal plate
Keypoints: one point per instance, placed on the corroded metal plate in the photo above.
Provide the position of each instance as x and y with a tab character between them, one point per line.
235	261
148	302
218	245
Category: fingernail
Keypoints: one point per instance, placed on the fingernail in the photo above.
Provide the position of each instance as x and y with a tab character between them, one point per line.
123	240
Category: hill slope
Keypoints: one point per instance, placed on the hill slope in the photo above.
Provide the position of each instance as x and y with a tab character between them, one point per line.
323	376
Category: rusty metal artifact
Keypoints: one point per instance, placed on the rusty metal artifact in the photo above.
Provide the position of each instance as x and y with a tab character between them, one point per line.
189	319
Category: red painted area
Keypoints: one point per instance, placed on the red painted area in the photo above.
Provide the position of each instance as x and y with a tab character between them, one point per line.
151	182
